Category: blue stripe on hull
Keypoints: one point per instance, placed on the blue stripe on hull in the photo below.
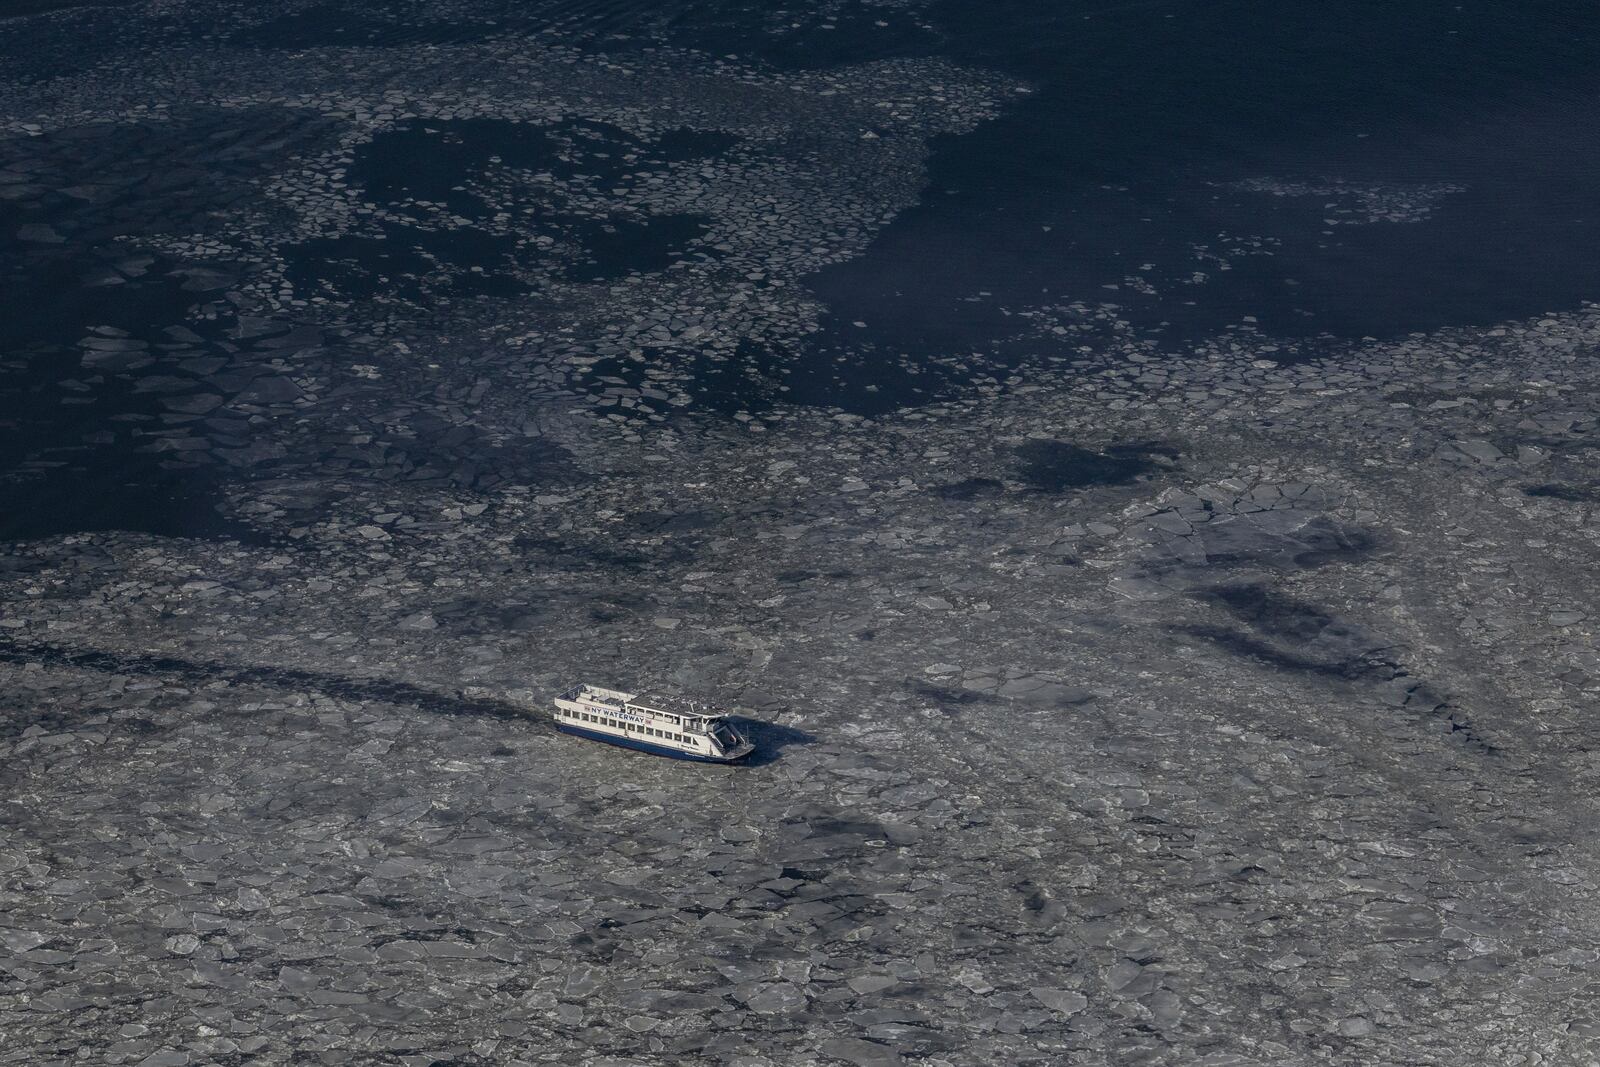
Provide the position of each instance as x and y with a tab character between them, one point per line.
640	745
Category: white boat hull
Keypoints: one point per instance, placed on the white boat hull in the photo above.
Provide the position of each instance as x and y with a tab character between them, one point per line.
665	726
645	746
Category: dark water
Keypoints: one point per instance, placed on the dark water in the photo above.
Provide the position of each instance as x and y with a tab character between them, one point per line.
1319	171
465	166
346	26
1125	159
1140	172
88	354
18	8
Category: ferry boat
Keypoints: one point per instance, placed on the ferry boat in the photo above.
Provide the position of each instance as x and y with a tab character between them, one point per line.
651	722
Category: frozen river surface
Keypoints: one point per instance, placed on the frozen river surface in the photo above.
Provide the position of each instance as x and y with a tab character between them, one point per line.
1133	466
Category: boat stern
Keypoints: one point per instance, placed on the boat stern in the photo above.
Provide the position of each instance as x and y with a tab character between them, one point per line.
737	752
731	744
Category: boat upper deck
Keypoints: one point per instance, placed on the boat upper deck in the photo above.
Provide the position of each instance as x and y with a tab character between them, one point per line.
675	705
656	702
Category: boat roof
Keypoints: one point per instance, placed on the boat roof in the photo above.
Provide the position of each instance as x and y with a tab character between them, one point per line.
677	705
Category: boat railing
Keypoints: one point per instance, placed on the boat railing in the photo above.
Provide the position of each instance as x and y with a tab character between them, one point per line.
571	694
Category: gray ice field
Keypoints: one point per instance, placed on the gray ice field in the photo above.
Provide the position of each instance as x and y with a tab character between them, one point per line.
1235	710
